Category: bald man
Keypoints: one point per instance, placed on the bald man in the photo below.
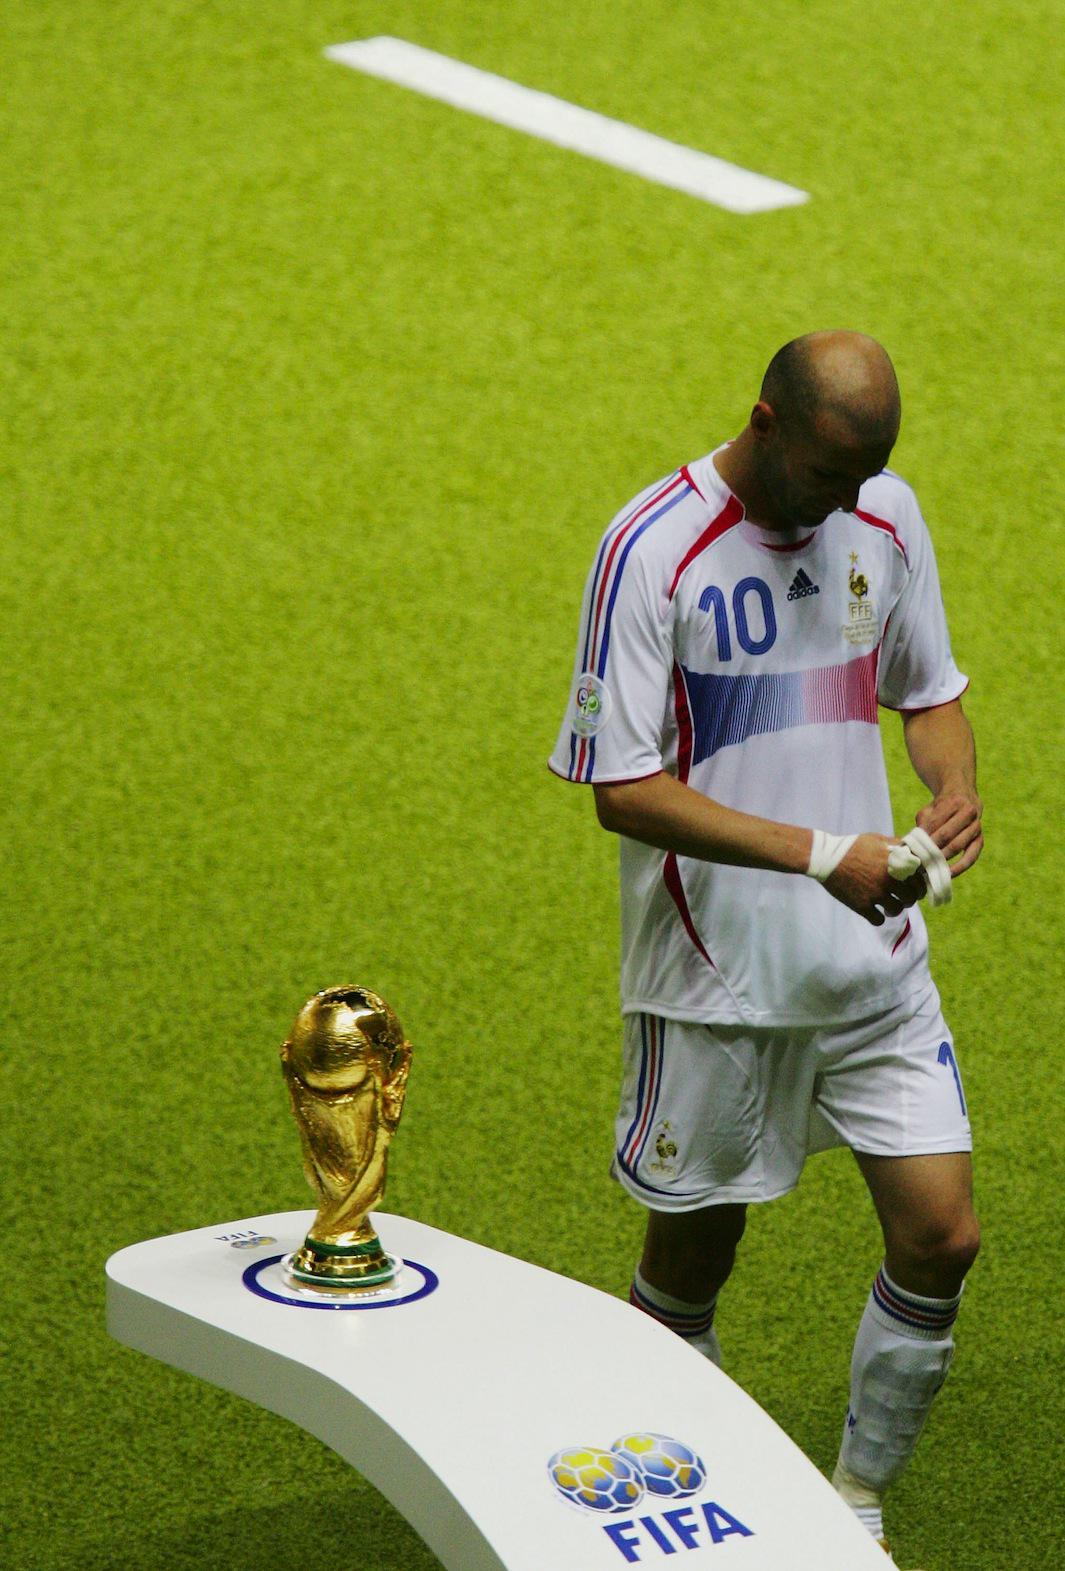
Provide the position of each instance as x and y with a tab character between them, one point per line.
743	622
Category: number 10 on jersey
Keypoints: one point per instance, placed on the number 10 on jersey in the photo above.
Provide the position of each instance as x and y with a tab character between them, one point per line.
713	599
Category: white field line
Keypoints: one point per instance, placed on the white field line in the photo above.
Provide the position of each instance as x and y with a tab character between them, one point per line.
567	125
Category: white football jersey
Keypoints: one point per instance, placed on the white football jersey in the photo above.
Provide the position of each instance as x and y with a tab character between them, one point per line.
750	664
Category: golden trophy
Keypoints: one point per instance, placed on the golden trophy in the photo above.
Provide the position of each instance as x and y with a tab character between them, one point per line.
346	1064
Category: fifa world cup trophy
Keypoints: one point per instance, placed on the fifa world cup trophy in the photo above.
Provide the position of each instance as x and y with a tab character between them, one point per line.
346	1064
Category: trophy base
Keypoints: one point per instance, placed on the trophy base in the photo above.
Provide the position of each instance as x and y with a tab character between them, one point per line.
346	1268
370	1285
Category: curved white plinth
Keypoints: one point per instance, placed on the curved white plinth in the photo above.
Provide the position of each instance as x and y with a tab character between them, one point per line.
453	1395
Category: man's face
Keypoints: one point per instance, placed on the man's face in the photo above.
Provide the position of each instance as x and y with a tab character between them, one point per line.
811	470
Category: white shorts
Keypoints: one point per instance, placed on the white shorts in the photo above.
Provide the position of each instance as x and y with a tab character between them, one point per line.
715	1114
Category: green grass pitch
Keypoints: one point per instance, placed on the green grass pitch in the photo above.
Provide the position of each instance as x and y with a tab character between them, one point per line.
316	395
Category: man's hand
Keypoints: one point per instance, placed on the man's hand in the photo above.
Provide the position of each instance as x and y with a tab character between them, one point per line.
862	881
953	821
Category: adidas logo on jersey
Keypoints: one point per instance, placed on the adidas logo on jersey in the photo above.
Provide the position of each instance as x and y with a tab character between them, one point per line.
801	586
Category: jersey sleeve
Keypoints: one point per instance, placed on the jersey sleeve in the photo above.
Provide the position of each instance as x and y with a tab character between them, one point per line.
621	675
917	669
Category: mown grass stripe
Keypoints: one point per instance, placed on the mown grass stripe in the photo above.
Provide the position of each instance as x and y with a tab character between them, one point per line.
567	125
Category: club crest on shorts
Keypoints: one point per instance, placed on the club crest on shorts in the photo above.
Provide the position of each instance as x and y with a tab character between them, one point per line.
665	1149
592	704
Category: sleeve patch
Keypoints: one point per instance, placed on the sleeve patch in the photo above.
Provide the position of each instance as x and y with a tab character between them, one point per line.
592	704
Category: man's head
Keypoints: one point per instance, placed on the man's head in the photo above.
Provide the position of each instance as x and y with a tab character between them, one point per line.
826	420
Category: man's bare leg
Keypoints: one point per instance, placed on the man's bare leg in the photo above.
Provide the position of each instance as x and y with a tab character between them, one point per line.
925	1206
687	1257
690	1254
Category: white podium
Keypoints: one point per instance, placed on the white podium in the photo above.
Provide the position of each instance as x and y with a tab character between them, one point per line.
455	1390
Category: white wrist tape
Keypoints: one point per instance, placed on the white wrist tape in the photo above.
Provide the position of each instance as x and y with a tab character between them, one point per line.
827	852
919	850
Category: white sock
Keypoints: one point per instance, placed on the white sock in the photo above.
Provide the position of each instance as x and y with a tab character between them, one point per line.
901	1356
866	1503
694	1322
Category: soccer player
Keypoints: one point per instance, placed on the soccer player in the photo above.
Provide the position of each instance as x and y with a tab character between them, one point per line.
742	621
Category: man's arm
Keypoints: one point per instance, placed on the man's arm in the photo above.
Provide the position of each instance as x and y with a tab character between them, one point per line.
663	812
943	753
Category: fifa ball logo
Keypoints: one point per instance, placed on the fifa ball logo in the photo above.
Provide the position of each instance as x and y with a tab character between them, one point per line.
637	1464
597	1480
668	1468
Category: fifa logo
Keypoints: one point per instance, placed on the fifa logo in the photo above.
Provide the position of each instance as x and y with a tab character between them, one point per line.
245	1240
642	1469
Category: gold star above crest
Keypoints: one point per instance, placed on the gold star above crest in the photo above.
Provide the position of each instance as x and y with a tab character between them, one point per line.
854	559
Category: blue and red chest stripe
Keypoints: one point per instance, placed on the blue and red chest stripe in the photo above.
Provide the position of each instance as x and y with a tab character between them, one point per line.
726	710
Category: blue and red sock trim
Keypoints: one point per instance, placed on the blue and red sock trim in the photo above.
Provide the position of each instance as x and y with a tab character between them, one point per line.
929	1318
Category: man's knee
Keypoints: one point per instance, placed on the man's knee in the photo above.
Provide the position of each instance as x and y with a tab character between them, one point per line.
690	1250
926	1211
947	1245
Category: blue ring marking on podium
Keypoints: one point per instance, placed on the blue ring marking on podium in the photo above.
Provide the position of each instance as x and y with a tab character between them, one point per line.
250	1278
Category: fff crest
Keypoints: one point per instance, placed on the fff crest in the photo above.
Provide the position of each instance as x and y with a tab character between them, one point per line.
859	584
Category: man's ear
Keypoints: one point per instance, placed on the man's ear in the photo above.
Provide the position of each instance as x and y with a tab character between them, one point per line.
763	419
